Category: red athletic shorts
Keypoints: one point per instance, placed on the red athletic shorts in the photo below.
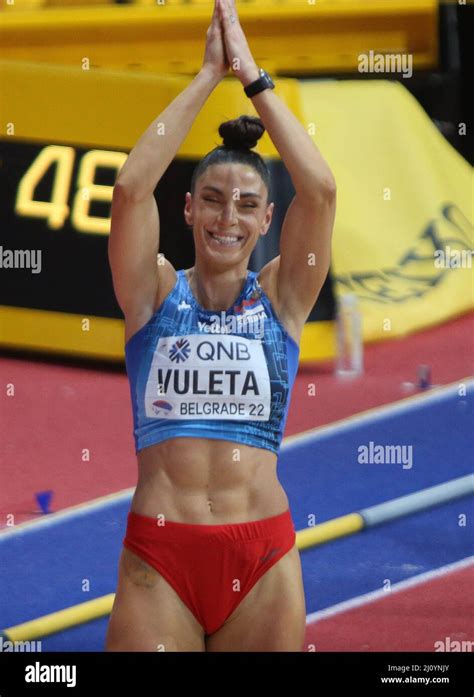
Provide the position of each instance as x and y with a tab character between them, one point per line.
211	567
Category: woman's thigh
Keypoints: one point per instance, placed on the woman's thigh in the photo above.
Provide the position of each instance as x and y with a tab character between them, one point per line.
148	614
272	616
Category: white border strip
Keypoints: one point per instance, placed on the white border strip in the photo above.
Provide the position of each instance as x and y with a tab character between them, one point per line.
314	434
380	593
376	414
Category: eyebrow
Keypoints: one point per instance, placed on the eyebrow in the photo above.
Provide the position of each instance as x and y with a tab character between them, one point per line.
244	194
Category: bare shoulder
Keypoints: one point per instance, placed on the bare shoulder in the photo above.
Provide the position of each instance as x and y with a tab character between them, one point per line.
135	320
167	278
268	279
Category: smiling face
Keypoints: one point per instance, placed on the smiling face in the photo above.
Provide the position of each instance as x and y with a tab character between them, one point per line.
228	213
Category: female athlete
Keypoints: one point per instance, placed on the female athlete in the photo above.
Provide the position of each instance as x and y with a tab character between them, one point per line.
209	561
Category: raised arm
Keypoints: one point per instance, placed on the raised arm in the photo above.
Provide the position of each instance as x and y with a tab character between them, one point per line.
298	273
134	237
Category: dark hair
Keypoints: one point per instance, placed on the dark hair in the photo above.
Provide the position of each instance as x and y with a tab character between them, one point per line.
240	136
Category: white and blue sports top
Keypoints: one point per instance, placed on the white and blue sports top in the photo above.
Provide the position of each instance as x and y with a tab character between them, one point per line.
209	374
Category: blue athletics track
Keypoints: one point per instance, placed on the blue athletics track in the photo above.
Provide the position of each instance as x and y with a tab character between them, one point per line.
402	585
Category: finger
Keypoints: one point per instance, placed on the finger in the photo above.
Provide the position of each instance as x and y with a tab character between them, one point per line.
216	19
215	16
227	12
219	12
224	10
224	15
231	8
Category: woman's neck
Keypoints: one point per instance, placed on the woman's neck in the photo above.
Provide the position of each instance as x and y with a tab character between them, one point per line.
216	290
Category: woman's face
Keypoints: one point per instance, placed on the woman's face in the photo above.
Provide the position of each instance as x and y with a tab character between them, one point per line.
228	213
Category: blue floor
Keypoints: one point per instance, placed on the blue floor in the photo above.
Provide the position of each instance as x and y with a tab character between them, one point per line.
44	570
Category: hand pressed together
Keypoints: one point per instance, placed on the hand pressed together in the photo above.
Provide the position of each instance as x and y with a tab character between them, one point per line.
227	46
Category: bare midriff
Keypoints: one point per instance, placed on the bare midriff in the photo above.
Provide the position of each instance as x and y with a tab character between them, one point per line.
208	482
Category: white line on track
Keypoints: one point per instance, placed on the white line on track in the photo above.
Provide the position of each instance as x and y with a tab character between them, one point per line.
380	593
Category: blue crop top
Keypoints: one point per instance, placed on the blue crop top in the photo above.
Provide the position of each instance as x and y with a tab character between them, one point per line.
209	374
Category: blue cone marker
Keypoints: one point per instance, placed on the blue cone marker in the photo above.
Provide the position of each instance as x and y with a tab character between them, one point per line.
43	499
424	376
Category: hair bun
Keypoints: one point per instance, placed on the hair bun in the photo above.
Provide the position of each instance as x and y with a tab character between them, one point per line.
242	133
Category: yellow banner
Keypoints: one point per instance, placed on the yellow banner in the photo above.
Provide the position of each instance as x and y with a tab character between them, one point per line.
403	235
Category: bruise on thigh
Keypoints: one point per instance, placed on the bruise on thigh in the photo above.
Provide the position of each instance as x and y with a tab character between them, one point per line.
138	571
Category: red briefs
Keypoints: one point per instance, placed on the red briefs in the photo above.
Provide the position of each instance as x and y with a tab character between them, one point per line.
211	567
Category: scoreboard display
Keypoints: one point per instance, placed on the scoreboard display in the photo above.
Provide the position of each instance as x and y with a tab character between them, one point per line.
57	292
56	206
